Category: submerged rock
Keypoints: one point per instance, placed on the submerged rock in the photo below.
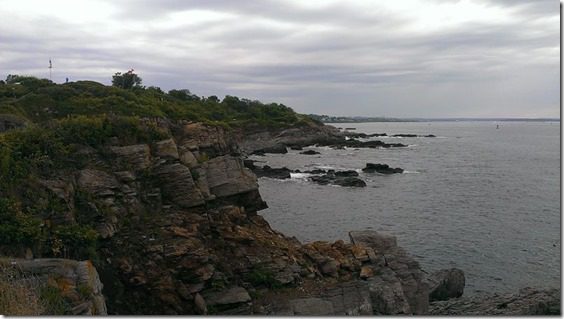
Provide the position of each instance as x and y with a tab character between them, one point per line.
345	181
267	171
310	152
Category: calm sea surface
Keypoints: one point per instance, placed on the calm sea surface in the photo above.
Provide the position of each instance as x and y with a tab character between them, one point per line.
482	199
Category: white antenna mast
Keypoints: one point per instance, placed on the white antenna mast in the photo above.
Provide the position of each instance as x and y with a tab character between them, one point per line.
50	68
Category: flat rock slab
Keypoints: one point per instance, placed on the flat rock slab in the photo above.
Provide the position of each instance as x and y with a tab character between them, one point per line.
311	307
230	296
526	302
377	241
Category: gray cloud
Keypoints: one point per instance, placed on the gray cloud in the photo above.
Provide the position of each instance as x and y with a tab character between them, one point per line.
338	58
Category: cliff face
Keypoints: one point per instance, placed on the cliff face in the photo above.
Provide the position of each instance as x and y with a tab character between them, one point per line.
307	134
178	233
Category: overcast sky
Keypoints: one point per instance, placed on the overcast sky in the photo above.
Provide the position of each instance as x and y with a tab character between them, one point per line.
394	58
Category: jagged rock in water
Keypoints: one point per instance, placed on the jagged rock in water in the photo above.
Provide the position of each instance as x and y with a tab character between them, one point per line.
381	168
178	185
344	179
527	302
137	157
267	171
446	284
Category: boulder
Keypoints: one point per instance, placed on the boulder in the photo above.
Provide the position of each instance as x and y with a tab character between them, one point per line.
366	272
396	263
387	295
296	148
200	136
446	284
200	303
178	186
187	158
229	296
381	168
329	267
380	242
227	176
166	149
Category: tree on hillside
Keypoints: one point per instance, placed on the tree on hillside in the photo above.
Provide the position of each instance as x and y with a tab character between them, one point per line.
127	80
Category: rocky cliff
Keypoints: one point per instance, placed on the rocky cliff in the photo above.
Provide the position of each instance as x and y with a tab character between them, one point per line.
178	233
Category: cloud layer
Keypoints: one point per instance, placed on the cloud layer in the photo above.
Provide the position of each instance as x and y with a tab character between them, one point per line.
435	58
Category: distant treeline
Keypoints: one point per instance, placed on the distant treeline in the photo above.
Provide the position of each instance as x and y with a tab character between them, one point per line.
363	119
355	119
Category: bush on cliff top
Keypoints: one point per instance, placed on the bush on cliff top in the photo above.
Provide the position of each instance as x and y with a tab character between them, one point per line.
42	100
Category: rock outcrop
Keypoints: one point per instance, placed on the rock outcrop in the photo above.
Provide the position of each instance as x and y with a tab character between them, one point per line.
446	284
401	289
527	302
179	233
76	283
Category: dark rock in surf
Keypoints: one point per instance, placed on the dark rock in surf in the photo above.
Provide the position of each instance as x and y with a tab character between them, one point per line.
267	171
349	182
405	135
349	173
381	168
275	149
296	148
345	179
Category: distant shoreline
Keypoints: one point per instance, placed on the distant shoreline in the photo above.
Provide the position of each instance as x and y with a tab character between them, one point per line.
446	120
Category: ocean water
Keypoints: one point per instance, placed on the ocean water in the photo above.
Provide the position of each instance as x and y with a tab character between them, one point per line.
482	199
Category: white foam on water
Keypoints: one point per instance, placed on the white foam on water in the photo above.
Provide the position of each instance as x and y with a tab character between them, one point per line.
300	175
